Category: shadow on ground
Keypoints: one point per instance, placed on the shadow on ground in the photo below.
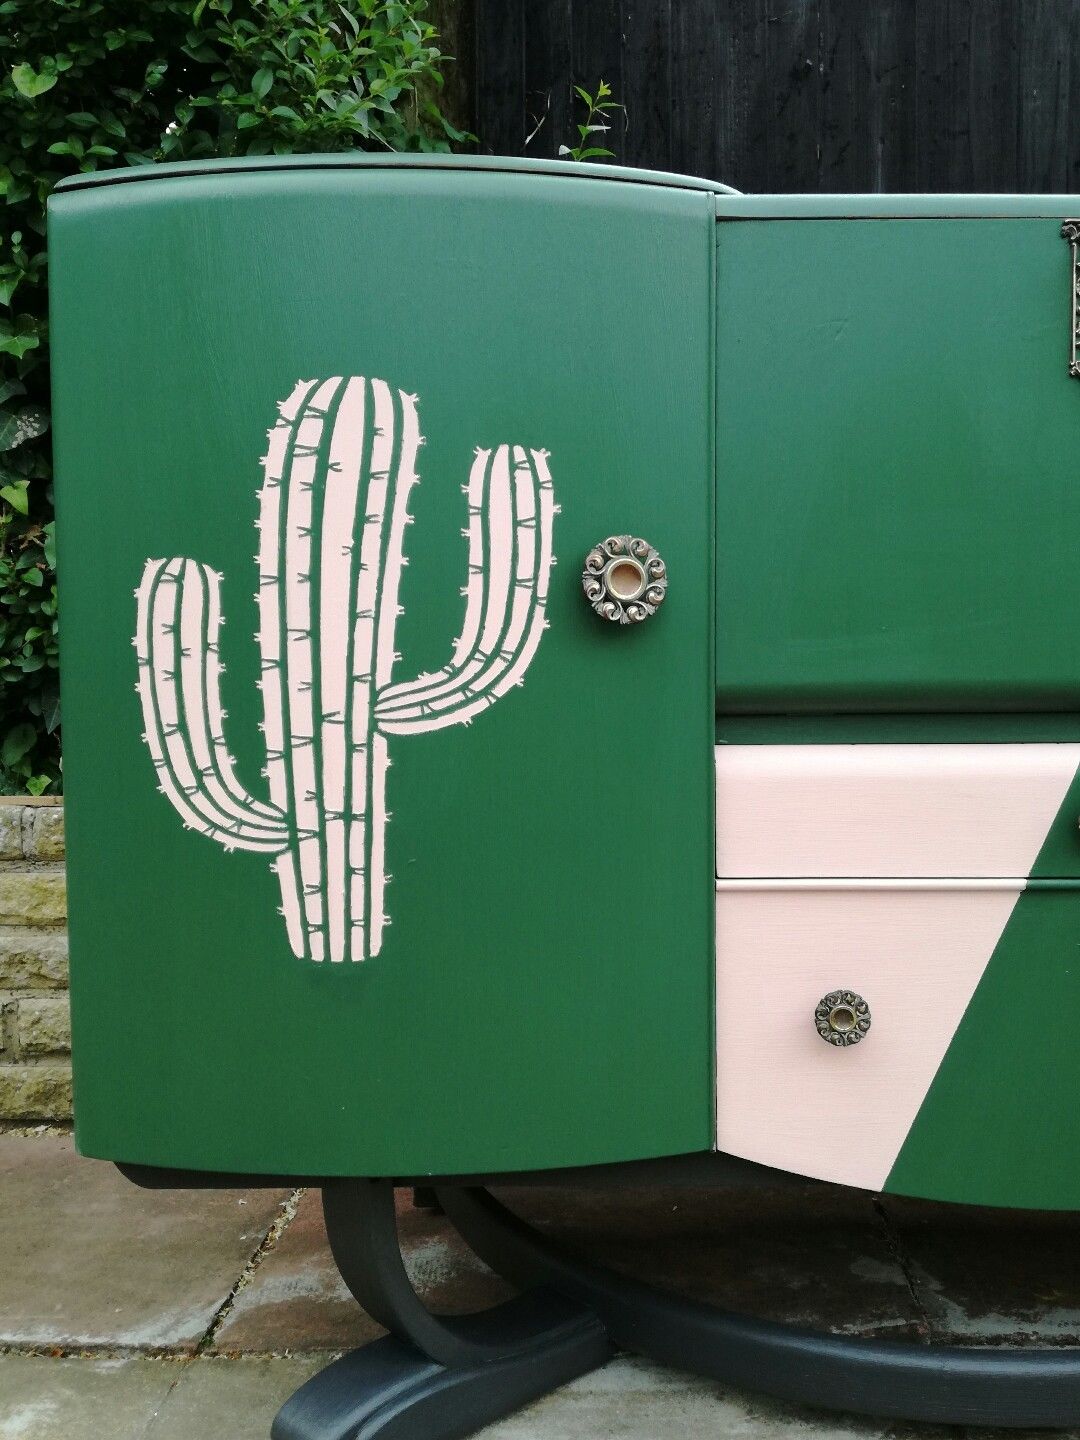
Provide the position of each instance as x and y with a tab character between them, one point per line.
176	1315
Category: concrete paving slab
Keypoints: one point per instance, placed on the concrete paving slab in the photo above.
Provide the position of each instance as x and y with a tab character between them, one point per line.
631	1400
815	1255
297	1300
89	1260
805	1255
234	1398
986	1276
42	1398
190	1399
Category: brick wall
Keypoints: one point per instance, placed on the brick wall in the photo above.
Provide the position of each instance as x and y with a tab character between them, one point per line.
35	1067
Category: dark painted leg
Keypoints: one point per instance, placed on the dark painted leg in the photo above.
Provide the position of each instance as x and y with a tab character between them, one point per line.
433	1377
945	1384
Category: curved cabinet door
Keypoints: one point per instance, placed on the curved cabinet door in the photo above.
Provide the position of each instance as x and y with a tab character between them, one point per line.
399	861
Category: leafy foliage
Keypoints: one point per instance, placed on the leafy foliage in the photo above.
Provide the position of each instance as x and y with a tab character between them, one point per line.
598	110
89	84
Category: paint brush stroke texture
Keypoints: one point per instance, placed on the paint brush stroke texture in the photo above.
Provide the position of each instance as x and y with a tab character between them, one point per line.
333	512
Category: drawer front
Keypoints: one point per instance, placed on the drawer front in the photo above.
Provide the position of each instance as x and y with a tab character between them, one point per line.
894	810
939	884
785	1097
963	1088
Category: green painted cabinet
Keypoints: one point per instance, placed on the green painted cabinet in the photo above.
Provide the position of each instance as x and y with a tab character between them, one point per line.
376	871
388	854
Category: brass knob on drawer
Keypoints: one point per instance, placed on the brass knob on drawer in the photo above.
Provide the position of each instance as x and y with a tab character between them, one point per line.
624	579
842	1017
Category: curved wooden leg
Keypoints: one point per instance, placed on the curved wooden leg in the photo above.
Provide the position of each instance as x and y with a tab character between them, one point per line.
946	1384
433	1377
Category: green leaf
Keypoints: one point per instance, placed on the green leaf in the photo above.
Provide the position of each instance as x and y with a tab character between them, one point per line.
31	84
37	784
49	709
17	345
15	495
25	424
261	82
17	743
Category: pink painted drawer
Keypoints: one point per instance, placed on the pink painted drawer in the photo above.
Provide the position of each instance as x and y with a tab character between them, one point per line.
890	871
888	810
914	950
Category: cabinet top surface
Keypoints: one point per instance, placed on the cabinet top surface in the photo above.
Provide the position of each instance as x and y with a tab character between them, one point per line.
486	164
730	204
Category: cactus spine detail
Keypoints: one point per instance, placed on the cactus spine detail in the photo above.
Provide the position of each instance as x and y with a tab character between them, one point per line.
333	511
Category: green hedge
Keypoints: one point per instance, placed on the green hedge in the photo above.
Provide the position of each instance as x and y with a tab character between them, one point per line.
86	86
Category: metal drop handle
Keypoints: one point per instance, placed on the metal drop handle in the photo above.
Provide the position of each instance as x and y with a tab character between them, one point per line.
1070	232
624	579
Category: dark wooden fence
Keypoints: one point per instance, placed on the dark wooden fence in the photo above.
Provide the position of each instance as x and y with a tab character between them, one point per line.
789	95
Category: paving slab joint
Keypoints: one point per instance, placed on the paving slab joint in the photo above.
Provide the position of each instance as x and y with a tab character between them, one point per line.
903	1261
281	1222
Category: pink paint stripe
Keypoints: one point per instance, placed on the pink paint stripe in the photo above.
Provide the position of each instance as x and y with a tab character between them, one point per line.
889	810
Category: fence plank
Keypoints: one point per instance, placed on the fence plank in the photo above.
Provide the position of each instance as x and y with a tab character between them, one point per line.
548	67
597	54
646	83
500	104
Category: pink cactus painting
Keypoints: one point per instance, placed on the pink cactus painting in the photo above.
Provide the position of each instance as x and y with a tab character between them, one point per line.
333	513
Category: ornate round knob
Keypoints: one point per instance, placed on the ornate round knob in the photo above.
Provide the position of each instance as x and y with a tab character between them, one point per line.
842	1017
624	579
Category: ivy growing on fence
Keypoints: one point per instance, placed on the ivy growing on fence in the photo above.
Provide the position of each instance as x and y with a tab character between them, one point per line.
88	84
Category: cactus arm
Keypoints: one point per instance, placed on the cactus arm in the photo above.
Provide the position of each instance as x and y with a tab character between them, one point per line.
176	650
513	603
200	627
405	478
467	658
